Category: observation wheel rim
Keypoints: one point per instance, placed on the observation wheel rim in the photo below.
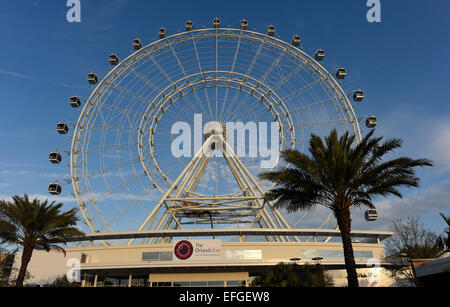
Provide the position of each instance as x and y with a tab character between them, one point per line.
76	139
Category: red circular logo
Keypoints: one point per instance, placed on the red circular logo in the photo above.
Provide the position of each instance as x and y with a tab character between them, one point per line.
183	250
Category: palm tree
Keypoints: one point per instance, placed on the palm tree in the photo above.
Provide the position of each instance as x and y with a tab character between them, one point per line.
341	175
35	225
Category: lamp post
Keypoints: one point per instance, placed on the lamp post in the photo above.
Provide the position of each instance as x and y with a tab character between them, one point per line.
317	260
295	260
296	268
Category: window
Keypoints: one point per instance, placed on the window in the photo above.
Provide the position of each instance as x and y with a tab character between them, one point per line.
236	283
216	284
252	254
363	254
181	284
157	256
150	256
161	284
243	254
89	279
84	258
312	253
113	282
199	284
140	282
165	256
234	254
219	283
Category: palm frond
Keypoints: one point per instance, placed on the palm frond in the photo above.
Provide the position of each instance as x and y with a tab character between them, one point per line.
36	224
339	173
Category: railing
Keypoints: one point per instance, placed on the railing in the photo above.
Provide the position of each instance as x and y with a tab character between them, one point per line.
370	236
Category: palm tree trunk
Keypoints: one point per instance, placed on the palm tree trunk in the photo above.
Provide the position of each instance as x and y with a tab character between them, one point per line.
26	257
344	223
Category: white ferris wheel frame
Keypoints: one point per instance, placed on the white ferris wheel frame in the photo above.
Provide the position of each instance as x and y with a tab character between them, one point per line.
156	109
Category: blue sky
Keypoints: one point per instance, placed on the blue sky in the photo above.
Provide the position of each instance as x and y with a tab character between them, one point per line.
401	63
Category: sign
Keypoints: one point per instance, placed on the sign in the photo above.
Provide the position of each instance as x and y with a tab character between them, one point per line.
199	250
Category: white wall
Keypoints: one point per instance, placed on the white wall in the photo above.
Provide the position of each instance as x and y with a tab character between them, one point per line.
45	267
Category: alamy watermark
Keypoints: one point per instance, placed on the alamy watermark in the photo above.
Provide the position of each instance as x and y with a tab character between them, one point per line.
258	144
74	13
74	273
374	273
374	13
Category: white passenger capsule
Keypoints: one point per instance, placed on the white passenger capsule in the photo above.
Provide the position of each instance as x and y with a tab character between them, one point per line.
371	215
54	189
358	96
341	73
113	59
371	122
162	33
296	41
189	25
92	78
320	55
75	101
216	23
244	24
137	44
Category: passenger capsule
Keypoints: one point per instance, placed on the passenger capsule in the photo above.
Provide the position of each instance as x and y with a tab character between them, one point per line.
244	24
189	25
137	44
75	101
162	33
55	158
54	189
113	59
216	23
341	73
296	41
358	96
320	55
62	128
92	78
271	30
371	215
371	122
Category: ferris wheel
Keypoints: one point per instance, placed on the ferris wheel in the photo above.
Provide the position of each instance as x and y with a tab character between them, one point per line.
123	170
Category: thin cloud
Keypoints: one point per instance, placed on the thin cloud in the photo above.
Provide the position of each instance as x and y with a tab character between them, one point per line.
43	197
439	142
113	7
150	196
30	174
105	15
425	201
23	165
424	135
28	77
15	74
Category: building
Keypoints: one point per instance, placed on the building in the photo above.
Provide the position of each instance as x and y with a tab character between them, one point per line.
193	261
432	272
